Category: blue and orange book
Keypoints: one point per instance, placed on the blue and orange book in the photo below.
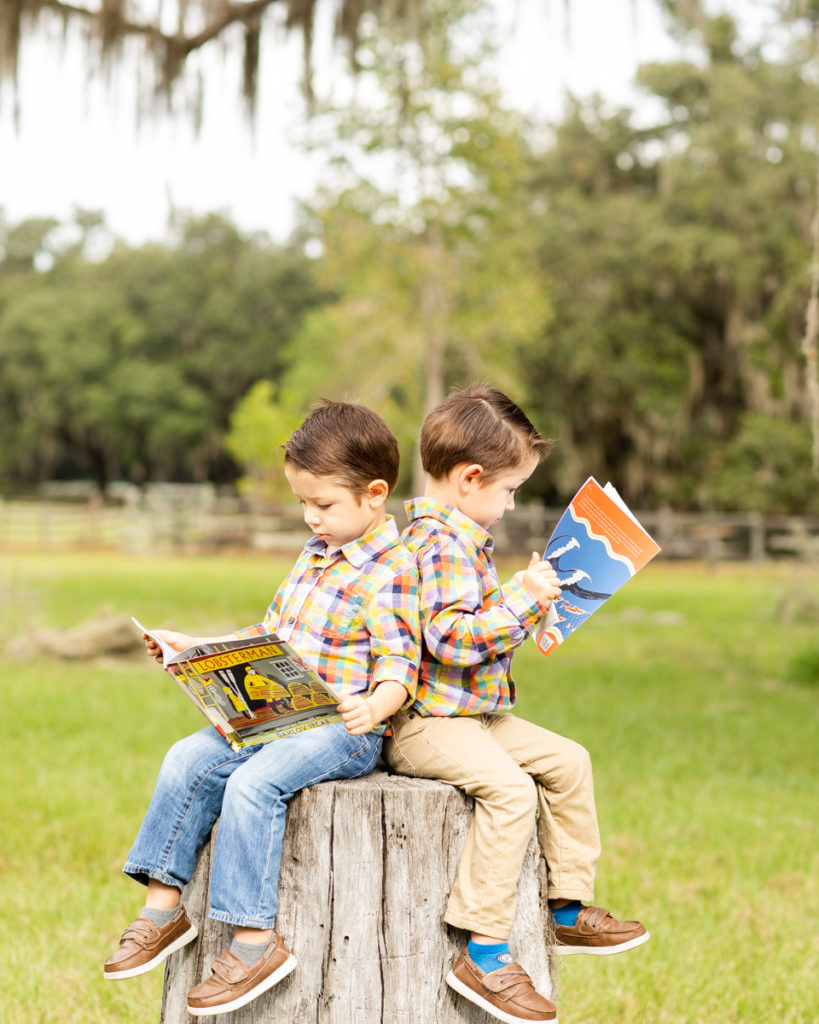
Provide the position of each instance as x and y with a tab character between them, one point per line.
596	547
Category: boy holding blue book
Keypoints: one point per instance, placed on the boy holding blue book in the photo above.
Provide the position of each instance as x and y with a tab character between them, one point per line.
477	448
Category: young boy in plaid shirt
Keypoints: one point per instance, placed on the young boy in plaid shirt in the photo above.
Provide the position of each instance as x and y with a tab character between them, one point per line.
349	607
477	448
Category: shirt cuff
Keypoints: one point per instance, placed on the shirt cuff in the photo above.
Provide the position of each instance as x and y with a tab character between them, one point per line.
258	630
400	670
526	609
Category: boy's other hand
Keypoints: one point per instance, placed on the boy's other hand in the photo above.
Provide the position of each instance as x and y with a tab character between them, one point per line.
179	642
357	715
540	579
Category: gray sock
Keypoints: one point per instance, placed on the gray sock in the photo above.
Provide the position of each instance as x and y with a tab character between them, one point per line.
159	917
249	953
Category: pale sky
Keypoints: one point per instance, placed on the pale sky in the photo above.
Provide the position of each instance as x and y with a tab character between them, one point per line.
78	142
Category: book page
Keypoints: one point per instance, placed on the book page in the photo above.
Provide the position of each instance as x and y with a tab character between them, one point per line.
168	652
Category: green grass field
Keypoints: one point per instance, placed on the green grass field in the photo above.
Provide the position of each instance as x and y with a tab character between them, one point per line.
698	704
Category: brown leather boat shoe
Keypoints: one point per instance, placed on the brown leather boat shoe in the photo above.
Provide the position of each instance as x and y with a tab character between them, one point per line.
144	945
597	932
506	994
233	984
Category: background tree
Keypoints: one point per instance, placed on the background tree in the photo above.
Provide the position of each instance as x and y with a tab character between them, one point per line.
258	426
129	368
425	228
639	282
678	254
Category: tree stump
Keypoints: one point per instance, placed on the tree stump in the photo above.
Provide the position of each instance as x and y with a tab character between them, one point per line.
366	871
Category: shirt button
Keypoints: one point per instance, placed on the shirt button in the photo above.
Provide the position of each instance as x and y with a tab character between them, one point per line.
316	572
291	621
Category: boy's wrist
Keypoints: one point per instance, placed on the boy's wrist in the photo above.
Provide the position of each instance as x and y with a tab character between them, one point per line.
387	697
526	608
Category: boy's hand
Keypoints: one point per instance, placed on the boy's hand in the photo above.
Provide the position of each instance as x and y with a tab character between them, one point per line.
179	642
540	579
357	715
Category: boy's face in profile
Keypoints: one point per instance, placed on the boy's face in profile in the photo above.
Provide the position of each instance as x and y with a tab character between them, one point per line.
335	513
486	502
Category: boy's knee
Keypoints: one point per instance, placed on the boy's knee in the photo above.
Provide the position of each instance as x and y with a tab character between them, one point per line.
238	787
578	764
527	795
189	764
180	761
246	789
515	795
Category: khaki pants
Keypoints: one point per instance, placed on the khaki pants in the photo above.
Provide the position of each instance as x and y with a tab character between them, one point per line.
512	768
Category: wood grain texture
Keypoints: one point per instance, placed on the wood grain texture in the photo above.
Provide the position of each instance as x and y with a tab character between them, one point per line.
366	871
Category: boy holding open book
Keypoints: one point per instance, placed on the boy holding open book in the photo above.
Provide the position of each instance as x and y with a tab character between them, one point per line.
349	607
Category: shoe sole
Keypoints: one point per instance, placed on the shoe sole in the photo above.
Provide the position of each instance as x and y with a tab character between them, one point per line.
455	982
133	972
602	950
248	997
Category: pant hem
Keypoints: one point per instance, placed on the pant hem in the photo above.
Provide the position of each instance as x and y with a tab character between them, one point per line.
467	924
241	922
143	875
584	895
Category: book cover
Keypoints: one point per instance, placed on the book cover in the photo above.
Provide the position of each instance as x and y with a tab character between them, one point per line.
596	547
251	690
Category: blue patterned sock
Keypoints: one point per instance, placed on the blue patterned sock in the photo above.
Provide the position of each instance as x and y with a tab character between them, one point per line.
489	956
567	916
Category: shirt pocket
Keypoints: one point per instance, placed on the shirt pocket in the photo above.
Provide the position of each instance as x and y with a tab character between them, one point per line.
346	644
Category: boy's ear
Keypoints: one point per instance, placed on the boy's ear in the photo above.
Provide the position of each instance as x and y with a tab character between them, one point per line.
469	474
377	492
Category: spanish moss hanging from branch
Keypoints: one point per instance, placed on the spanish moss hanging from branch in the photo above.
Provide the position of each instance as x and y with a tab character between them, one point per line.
107	26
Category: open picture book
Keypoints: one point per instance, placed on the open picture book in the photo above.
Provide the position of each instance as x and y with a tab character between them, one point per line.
251	690
596	547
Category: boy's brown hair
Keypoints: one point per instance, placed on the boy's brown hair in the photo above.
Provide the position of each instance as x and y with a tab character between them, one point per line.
478	424
346	441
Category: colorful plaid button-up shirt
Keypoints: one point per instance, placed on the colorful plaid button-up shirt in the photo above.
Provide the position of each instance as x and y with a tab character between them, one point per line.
470	625
351	614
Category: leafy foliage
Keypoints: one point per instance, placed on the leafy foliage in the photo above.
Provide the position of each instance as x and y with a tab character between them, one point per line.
637	280
678	255
130	367
425	228
258	426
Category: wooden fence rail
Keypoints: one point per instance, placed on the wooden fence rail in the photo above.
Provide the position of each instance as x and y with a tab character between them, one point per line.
195	520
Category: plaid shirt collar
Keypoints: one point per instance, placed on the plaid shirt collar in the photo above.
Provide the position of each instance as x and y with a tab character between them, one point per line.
362	550
452	519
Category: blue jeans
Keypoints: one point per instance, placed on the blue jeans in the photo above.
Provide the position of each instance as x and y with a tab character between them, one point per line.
202	779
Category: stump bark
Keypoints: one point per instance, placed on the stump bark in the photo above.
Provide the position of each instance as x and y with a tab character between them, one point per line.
366	871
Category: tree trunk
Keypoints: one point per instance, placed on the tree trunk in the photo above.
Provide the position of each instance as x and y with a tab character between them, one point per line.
366	872
435	305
